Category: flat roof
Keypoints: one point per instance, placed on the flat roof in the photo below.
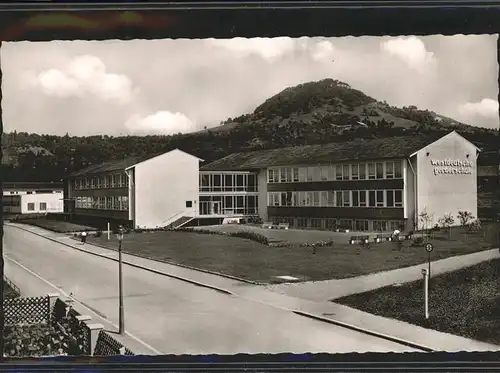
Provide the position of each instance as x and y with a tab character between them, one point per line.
32	185
359	149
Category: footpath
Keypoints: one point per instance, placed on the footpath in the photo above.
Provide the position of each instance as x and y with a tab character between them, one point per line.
334	289
319	308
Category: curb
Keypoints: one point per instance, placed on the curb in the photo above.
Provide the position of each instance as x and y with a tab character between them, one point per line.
220	290
185	266
227	292
365	331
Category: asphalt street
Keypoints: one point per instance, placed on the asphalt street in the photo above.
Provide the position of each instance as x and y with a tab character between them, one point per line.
170	315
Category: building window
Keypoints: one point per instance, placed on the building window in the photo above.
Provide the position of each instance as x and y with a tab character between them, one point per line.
339	199
31	206
124	203
316	223
362	198
309	174
380	225
345	223
331	172
380	170
109	203
389	170
295	174
355	171
302	174
331	198
189	204
380	198
272	176
315	198
362	171
323	199
398	198
347	198
43	206
282	173
361	225
302	222
286	199
371	171
389	200
355	198
371	198
331	223
338	172
398	169
324	173
345	171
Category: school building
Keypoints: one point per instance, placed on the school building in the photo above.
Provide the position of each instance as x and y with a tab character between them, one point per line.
362	185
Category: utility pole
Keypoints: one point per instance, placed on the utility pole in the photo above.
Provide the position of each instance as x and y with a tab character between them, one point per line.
120	282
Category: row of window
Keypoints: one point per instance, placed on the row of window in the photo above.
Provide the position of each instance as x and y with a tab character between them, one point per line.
119	180
353	171
338	198
234	182
228	205
47	191
31	206
361	225
102	203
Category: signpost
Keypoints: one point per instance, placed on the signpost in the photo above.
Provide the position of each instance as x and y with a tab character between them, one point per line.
426	292
121	324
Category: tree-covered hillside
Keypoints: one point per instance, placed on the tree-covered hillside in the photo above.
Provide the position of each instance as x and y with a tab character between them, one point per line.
310	113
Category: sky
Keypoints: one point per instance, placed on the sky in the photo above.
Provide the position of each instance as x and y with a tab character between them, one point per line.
169	86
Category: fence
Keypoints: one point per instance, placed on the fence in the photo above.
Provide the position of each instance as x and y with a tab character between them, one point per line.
79	336
107	345
26	310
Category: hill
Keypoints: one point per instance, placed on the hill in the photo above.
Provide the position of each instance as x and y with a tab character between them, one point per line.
311	113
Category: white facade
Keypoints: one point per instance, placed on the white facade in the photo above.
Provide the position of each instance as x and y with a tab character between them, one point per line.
163	189
446	179
38	203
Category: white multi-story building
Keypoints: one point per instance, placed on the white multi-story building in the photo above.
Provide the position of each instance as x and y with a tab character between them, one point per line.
364	185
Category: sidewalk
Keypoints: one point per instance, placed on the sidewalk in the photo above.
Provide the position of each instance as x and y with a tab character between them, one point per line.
33	286
334	289
335	313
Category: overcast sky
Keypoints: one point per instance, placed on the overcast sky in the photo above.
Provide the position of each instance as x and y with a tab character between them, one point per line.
169	86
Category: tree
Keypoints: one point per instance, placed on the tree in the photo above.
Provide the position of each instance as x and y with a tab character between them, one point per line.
425	219
465	217
446	222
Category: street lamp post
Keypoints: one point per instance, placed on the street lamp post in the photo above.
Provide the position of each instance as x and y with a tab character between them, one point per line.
120	282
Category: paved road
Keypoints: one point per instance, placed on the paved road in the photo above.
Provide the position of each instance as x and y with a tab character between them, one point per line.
172	316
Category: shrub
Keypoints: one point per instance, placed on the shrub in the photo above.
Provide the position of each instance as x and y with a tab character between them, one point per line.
98	234
251	236
419	241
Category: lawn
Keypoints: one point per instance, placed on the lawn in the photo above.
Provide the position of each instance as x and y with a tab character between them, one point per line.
293	236
56	225
465	302
250	260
